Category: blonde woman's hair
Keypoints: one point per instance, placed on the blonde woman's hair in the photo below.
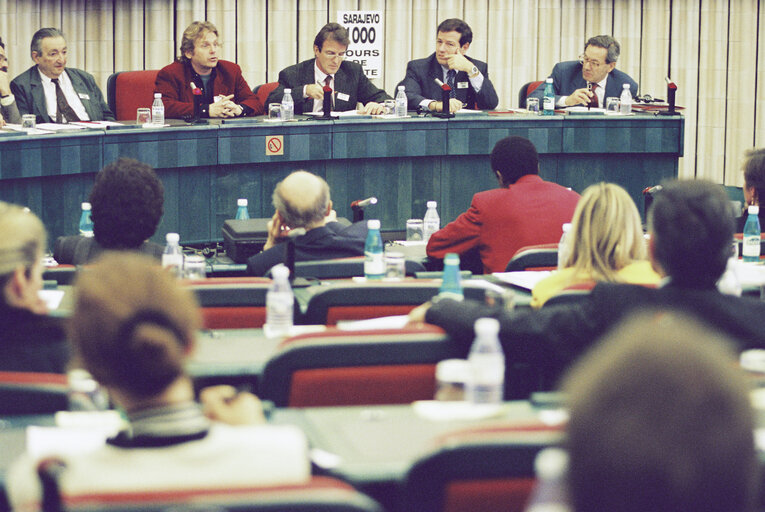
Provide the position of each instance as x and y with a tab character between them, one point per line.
22	238
133	325
606	233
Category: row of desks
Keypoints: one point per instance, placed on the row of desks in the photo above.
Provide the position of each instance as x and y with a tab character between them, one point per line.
404	163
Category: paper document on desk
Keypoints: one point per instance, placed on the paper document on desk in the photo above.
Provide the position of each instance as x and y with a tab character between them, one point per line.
384	322
523	279
96	124
345	113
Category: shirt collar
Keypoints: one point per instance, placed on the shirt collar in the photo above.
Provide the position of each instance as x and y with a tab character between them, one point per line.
318	74
46	80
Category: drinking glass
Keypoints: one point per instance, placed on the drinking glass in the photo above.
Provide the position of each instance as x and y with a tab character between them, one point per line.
143	116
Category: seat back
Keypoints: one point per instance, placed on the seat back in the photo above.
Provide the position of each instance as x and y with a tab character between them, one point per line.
62	274
263	90
571	294
320	494
32	393
534	257
356	301
376	367
344	267
478	471
231	302
127	91
527	89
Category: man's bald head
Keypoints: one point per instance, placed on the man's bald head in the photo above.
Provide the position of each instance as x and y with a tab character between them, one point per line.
302	199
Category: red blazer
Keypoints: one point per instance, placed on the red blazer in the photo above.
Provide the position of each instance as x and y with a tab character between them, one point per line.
499	222
173	82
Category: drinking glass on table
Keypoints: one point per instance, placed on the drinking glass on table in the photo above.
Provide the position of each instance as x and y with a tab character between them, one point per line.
194	267
532	105
143	116
275	112
612	105
414	230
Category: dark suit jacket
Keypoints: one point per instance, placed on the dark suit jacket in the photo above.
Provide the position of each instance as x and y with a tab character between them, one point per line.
31	342
420	84
567	77
551	338
78	250
331	241
30	96
173	82
349	79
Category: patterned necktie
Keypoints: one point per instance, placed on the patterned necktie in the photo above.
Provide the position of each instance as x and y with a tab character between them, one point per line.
450	76
594	100
64	111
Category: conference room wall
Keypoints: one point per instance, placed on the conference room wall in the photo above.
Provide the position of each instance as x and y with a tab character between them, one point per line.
709	47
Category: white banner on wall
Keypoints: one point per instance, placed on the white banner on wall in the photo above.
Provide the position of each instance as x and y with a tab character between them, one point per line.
365	29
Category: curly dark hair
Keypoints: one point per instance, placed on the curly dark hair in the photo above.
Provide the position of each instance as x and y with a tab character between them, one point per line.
126	203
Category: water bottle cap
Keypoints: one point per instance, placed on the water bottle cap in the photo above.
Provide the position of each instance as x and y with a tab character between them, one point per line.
172	238
626	86
549	80
753	209
373	224
487	326
280	272
566	227
287	91
241	202
401	88
551	463
452	258
158	95
86	206
432	204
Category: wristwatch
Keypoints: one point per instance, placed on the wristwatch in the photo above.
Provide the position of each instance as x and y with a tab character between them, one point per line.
473	72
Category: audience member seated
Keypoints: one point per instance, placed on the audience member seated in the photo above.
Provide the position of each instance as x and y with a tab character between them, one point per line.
754	185
605	244
660	420
524	210
301	200
133	328
691	227
126	203
30	340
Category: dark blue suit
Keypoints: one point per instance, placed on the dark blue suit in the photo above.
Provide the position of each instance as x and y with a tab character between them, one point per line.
349	79
334	240
420	84
567	77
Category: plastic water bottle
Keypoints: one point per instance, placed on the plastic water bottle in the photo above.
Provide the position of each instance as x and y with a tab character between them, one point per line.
564	247
172	258
487	364
751	248
548	102
431	222
451	284
86	223
401	102
158	110
549	494
280	303
625	100
288	106
241	209
374	261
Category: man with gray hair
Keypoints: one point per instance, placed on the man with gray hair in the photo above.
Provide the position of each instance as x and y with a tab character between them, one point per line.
302	201
53	92
592	78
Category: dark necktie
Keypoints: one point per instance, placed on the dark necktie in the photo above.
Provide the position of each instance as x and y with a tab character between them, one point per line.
327	81
450	76
64	111
594	100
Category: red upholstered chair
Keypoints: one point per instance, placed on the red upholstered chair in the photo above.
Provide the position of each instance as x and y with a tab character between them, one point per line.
263	90
527	89
357	301
320	494
534	257
231	302
481	470
128	90
377	367
32	393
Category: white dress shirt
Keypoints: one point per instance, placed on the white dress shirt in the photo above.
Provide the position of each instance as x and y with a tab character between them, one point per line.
69	93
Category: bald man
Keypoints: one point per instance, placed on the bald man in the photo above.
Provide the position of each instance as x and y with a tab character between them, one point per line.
301	200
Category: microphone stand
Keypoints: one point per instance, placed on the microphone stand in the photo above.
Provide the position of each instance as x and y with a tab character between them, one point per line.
671	90
326	106
445	106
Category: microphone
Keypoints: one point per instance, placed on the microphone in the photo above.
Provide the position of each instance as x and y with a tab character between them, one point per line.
671	90
445	107
362	203
652	190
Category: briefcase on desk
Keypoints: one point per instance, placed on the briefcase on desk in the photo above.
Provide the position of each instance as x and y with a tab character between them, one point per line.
243	238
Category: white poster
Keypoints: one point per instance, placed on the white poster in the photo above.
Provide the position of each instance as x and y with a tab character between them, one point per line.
365	29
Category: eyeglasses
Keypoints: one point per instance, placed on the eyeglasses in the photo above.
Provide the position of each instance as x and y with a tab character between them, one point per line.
333	55
207	46
593	63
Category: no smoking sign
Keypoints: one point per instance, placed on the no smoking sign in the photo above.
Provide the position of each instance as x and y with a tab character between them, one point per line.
274	145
